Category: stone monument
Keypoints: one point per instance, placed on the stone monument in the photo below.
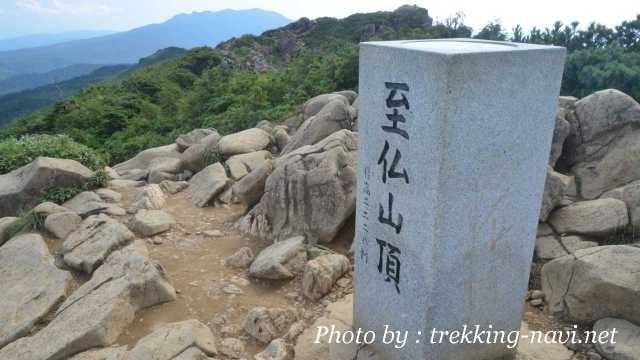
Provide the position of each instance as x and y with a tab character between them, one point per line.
454	139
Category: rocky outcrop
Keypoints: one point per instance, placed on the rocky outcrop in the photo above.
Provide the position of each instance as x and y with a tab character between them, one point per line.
321	273
595	217
244	142
311	192
88	246
144	158
207	184
627	339
282	260
150	197
249	189
561	130
62	224
549	247
594	283
198	156
151	222
109	195
97	312
22	188
175	341
316	104
185	141
32	286
166	168
241	165
554	190
88	203
630	194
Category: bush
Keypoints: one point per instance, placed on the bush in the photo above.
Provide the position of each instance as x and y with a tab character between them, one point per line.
15	153
27	222
59	195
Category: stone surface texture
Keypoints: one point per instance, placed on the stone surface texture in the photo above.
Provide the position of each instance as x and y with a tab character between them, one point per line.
282	260
207	184
243	142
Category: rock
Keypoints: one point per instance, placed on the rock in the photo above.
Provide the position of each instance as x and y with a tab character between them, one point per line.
311	192
320	274
173	187
282	260
232	289
109	195
62	224
161	169
630	194
265	125
31	286
627	339
97	312
549	247
333	117
268	324
544	229
111	173
560	133
150	197
6	223
25	185
594	283
540	350
47	208
173	339
293	123
124	184
185	141
554	189
144	158
110	353
89	203
241	165
97	236
604	111
308	349
225	198
232	348
135	174
213	233
595	217
349	94
207	184
314	105
342	310
240	259
575	243
198	156
244	142
151	222
277	349
281	137
249	189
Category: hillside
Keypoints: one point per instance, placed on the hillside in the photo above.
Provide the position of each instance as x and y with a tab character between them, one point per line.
185	31
22	103
30	81
37	40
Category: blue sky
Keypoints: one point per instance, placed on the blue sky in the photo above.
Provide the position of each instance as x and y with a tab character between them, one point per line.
19	17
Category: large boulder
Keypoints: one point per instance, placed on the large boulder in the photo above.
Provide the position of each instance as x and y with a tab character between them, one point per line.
174	340
150	197
630	194
554	190
626	345
165	168
560	133
31	285
22	188
594	283
193	137
311	192
282	260
6	223
207	184
241	165
333	117
151	222
243	142
314	105
62	224
99	311
198	156
321	273
110	353
88	246
88	203
249	189
549	247
604	152
599	217
144	158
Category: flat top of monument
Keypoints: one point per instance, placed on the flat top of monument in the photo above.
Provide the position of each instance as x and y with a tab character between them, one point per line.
459	46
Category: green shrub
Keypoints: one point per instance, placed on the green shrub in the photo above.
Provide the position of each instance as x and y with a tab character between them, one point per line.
27	221
60	194
15	153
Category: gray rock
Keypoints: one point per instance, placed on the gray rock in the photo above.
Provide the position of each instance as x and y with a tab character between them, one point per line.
151	222
164	169
281	137
528	350
109	195
207	184
88	202
31	286
243	142
554	190
134	174
47	208
277	349
240	259
88	246
22	188
333	117
594	217
544	229
550	247
605	111
173	187
316	104
241	165
111	173
282	260
171	340
560	133
144	158
293	123
265	125
249	189
575	243
110	353
267	324
124	184
5	228
233	348
321	273
627	339
185	141
349	94
198	156
150	197
311	192
594	283
62	224
630	194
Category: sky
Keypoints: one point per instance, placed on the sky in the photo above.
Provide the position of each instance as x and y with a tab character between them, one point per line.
21	17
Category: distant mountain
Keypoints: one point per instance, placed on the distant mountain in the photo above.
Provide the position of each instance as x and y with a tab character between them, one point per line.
22	103
185	31
29	81
36	40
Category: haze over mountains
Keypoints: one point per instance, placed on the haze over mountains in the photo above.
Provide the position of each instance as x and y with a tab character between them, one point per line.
185	31
36	40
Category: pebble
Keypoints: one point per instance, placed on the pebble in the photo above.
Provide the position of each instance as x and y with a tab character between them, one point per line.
232	289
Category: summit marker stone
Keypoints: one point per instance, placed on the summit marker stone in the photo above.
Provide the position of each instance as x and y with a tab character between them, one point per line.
446	230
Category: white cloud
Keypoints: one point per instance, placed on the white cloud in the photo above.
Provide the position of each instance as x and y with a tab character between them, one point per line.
60	7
